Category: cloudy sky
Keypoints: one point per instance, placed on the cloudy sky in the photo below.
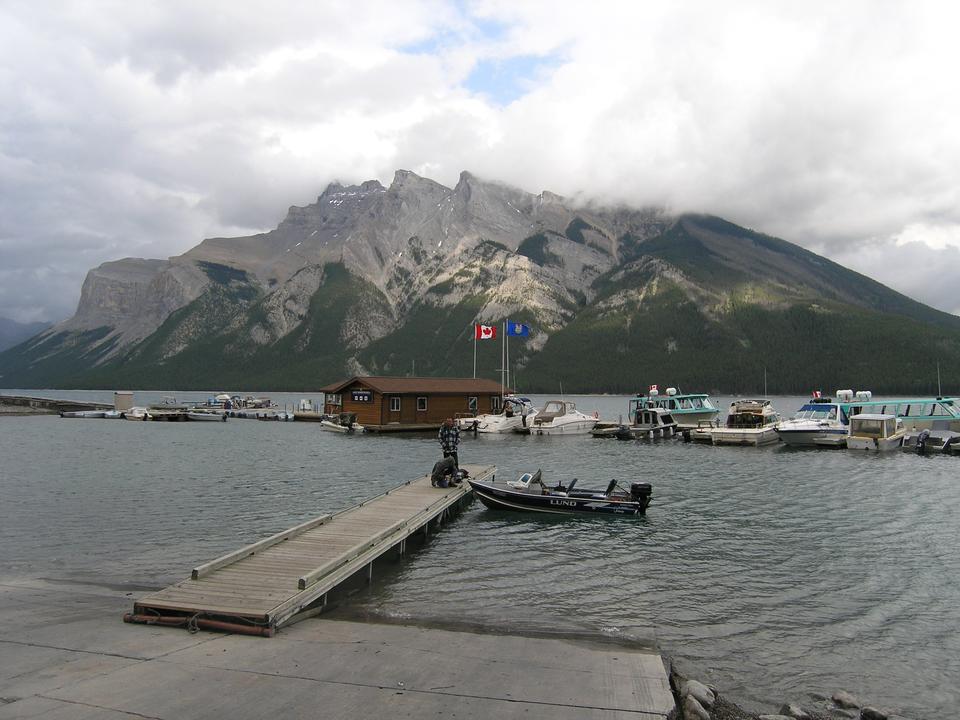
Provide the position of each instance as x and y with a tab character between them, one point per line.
139	128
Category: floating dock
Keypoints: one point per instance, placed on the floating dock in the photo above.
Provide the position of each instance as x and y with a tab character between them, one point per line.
285	577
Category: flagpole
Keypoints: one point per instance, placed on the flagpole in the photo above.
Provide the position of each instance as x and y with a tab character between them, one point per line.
506	339
474	351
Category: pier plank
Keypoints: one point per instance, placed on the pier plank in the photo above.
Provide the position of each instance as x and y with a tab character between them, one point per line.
274	578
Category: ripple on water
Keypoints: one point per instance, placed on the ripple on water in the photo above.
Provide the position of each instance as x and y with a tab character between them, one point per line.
771	572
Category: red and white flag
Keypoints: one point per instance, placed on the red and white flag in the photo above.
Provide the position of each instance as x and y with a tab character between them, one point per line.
816	394
653	388
485	332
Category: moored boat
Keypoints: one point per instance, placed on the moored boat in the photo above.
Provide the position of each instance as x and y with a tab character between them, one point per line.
875	432
820	422
345	422
749	422
529	493
645	423
84	414
200	416
689	410
931	441
517	412
558	417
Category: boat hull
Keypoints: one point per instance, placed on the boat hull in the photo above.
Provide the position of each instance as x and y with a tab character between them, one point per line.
576	427
744	436
870	444
819	437
501	498
206	417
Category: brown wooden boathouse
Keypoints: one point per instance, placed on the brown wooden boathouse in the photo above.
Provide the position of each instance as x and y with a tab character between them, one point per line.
411	403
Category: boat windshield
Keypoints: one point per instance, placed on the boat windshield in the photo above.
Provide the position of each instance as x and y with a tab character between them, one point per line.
816	412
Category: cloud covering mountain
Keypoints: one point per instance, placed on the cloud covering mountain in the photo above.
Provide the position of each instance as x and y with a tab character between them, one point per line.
133	131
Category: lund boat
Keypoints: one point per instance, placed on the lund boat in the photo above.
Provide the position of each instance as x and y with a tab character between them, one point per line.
820	422
559	417
343	423
528	492
875	432
749	422
690	410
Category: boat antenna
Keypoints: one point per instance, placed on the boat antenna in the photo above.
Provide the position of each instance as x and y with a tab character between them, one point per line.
939	394
561	389
764	382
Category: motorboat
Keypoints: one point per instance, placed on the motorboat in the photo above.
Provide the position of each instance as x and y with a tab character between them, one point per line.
820	422
929	413
529	492
689	410
84	414
931	441
559	417
201	416
517	412
875	432
345	422
645	423
749	422
136	413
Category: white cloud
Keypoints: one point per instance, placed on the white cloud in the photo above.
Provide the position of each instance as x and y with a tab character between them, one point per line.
139	129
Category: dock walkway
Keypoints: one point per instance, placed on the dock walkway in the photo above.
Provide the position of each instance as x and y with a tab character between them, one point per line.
263	586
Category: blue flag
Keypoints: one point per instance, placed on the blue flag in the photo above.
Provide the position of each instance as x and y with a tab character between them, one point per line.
517	329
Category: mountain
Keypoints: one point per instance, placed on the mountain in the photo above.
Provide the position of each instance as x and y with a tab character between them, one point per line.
389	280
13	332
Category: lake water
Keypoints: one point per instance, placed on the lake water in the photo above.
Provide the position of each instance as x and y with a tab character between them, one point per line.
772	573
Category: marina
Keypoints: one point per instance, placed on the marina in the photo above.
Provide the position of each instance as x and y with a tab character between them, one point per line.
717	570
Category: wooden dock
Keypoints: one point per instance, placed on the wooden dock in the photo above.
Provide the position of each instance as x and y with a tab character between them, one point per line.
286	577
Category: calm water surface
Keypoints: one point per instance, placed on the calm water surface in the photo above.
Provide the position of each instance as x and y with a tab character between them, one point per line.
773	573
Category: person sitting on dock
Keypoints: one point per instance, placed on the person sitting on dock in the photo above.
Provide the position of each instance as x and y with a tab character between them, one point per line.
449	437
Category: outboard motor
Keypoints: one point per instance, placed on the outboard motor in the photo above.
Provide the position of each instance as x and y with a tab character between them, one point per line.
921	446
640	492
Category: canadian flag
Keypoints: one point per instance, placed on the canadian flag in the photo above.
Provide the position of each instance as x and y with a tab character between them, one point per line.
816	394
653	388
485	332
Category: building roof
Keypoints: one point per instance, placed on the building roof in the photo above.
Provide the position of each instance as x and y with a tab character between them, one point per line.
412	385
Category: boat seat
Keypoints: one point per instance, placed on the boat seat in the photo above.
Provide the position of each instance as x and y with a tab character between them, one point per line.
522	482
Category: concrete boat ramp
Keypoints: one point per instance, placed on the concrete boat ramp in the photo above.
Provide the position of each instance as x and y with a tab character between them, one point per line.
64	654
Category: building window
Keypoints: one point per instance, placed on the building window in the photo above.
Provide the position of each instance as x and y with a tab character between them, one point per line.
395	403
472	404
334	399
421	404
495	403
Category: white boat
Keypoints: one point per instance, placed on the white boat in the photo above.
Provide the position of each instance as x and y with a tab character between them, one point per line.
820	422
345	422
200	416
875	432
518	412
112	415
136	413
99	414
749	422
559	417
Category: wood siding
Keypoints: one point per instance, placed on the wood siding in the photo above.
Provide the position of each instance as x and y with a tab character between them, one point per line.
439	406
